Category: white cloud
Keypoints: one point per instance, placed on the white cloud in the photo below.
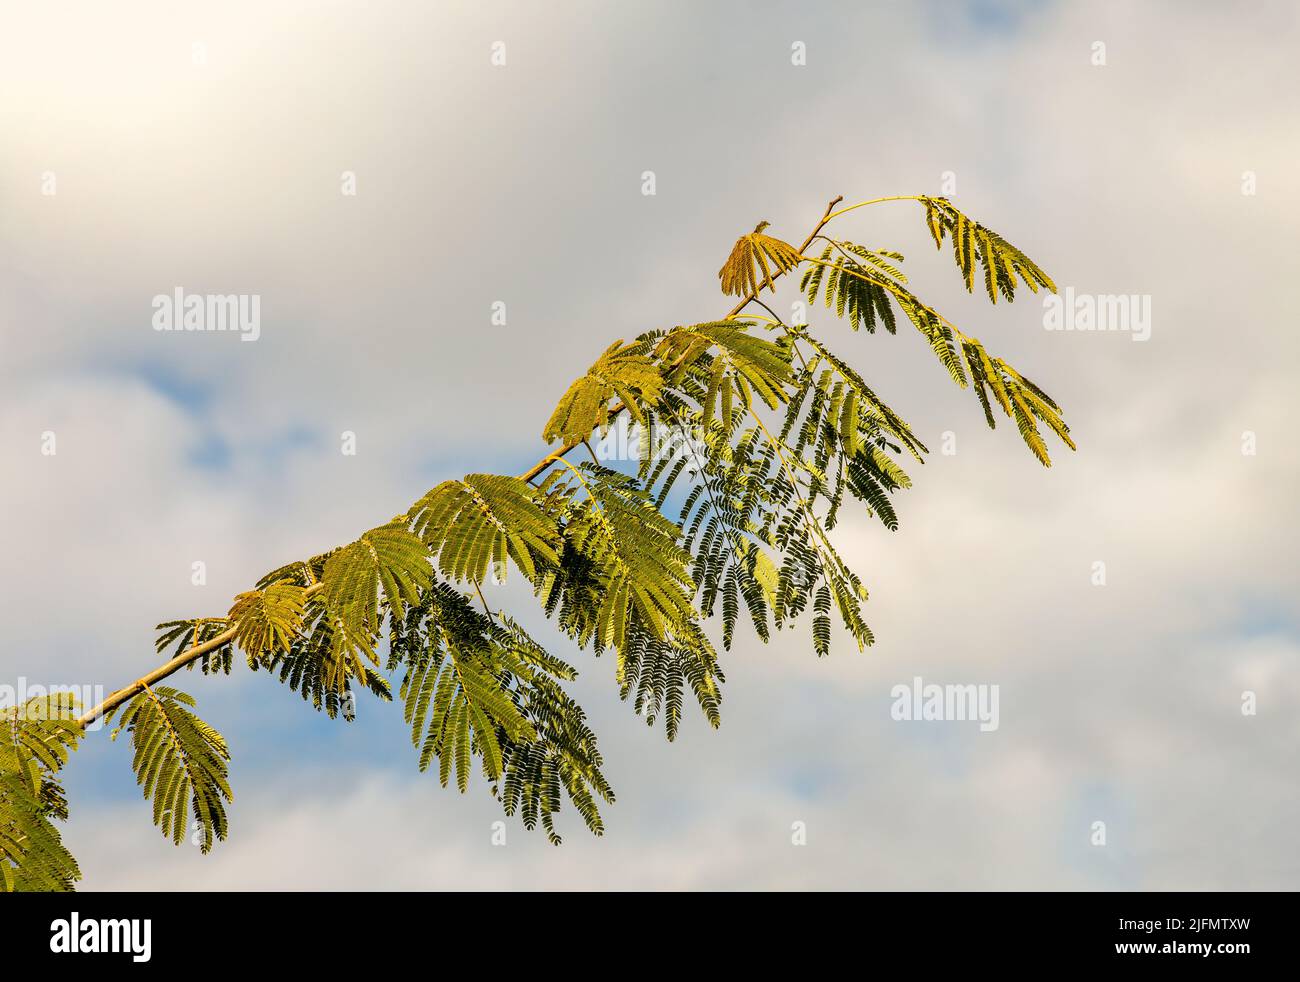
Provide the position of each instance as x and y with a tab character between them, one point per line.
521	184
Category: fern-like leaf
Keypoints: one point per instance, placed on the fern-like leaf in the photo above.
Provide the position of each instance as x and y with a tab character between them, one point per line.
976	247
180	763
625	371
36	739
476	688
755	261
731	356
267	620
474	525
389	559
180	635
630	550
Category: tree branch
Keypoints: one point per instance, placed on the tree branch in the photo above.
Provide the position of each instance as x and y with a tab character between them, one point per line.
192	654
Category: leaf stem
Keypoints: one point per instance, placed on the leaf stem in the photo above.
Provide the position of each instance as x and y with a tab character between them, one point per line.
873	201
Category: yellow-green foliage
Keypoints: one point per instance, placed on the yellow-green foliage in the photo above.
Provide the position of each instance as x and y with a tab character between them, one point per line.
179	763
35	740
774	435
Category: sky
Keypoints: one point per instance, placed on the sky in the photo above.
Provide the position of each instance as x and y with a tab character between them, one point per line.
1138	150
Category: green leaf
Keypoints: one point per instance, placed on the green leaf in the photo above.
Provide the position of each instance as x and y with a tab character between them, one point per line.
625	371
476	687
389	559
974	246
475	525
36	739
180	763
735	354
634	553
268	620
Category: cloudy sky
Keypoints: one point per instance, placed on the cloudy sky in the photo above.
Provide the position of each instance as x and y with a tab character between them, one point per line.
203	146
